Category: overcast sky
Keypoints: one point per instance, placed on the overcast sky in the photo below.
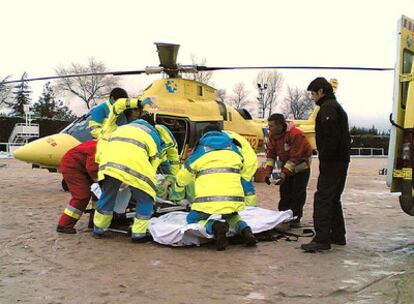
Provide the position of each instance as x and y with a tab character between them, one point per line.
37	36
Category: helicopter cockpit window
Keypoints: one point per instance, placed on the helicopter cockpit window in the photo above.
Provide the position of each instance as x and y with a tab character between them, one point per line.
406	69
245	114
79	128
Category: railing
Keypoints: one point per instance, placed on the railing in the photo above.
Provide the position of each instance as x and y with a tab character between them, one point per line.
367	152
23	132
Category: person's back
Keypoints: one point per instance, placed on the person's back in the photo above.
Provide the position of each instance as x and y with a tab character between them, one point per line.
217	166
332	130
80	158
131	156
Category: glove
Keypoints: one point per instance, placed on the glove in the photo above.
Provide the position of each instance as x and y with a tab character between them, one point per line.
280	179
267	179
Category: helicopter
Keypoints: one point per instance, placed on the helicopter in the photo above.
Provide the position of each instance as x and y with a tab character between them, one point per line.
184	106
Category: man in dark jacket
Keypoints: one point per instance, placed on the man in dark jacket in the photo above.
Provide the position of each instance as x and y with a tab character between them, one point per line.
333	144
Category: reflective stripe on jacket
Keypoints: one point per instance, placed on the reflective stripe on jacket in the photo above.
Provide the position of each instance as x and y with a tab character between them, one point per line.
132	155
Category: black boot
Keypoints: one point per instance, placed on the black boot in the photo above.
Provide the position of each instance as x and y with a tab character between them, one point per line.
219	230
314	246
248	237
67	230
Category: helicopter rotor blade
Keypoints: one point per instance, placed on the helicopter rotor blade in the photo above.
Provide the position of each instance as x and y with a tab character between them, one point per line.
204	68
116	73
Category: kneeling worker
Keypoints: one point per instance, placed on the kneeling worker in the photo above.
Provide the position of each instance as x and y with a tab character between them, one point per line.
217	166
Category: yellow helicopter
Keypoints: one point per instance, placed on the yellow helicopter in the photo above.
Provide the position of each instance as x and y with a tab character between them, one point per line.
184	106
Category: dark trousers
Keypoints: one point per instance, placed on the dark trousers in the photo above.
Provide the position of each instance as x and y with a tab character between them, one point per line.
293	193
328	218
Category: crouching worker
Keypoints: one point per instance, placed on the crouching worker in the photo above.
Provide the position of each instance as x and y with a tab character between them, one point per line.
217	166
294	151
131	156
79	171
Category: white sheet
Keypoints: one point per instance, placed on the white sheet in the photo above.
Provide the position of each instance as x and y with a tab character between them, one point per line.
172	228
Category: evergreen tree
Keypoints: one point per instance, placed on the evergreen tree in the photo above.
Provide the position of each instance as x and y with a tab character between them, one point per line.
47	106
22	97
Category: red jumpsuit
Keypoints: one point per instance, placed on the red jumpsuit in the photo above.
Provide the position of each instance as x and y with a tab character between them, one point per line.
79	171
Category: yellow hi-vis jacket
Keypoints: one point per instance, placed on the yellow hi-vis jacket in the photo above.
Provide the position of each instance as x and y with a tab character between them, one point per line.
99	115
170	151
118	108
110	124
217	173
132	155
249	155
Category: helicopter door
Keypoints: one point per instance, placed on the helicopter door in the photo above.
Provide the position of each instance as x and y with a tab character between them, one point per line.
178	127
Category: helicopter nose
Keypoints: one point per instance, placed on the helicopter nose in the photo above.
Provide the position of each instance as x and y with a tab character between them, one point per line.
46	151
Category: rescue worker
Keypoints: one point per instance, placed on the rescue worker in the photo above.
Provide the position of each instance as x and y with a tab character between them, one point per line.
79	171
132	157
122	105
250	164
333	142
170	158
100	113
169	154
217	166
294	151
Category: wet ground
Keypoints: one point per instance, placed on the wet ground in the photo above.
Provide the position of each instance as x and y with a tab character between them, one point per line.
37	265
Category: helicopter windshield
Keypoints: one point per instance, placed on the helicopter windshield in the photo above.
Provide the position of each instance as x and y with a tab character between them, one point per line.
80	129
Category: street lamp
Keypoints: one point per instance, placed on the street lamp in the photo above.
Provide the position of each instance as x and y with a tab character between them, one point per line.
262	87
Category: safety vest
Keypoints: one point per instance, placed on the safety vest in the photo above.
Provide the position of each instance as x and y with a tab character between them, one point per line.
169	151
132	155
217	166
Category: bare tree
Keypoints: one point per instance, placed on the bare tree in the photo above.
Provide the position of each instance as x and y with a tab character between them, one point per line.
221	95
203	77
298	103
5	91
272	81
240	96
86	88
